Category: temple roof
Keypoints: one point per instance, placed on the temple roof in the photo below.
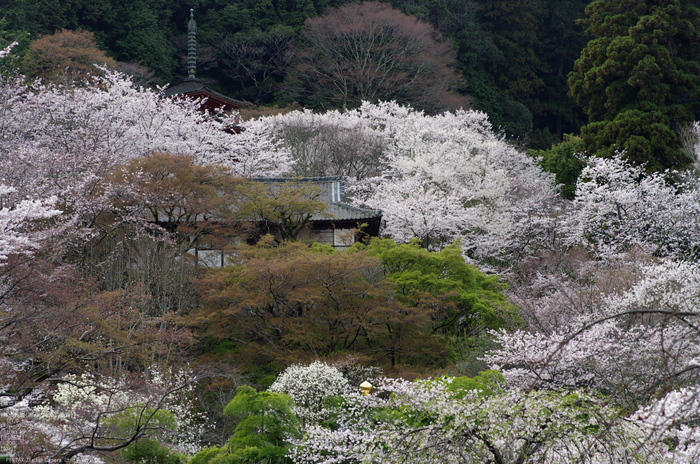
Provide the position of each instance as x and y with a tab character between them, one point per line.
215	101
333	195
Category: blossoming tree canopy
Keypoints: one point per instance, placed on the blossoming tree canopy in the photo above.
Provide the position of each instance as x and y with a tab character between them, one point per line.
60	140
436	178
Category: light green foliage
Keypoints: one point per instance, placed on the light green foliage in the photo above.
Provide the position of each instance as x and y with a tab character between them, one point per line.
639	78
132	419
263	433
487	383
151	449
288	303
151	452
464	300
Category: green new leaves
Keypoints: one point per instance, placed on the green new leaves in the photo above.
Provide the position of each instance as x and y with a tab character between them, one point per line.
267	423
462	298
386	301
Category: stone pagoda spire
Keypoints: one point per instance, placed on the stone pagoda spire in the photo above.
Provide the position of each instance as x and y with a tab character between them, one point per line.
191	47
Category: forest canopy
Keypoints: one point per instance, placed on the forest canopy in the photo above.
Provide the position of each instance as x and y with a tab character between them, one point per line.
249	49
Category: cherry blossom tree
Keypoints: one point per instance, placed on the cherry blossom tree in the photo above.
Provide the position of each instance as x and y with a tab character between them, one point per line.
436	178
618	207
673	419
432	421
84	417
18	230
330	143
451	177
636	345
62	142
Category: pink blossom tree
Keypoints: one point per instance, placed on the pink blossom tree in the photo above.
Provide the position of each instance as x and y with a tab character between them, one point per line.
637	344
18	230
451	177
61	141
618	207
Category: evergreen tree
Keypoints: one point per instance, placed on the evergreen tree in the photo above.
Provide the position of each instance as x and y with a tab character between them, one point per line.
639	78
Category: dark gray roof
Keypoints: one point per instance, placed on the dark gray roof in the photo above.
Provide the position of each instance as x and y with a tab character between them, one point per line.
345	212
333	195
183	88
194	85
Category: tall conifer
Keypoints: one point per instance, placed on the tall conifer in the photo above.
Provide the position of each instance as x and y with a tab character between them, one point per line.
639	78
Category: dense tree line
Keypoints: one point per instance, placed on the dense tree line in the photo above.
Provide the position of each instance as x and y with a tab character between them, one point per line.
514	59
638	79
514	56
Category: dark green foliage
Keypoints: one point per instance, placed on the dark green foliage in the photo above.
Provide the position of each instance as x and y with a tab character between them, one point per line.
561	160
537	42
144	31
513	27
270	27
478	58
47	16
139	32
514	55
560	43
129	31
257	61
10	63
639	78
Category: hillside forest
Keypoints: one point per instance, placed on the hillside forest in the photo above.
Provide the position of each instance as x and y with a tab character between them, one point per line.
531	297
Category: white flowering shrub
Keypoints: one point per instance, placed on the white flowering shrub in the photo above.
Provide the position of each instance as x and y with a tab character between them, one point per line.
309	386
18	233
84	412
6	51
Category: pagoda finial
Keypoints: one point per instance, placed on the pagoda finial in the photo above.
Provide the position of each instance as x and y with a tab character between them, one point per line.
191	47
